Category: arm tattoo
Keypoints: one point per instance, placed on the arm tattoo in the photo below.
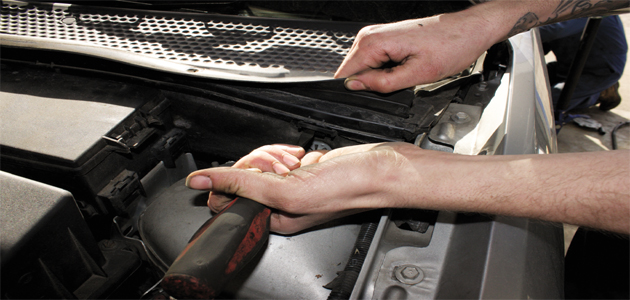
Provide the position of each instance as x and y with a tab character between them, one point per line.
566	10
526	22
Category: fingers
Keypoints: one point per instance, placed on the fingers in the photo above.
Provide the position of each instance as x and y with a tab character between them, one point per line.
217	201
292	214
297	151
414	70
383	80
373	47
335	183
421	50
313	157
279	159
367	53
347	150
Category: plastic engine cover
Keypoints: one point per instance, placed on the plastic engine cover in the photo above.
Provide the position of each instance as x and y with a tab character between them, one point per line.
47	249
296	266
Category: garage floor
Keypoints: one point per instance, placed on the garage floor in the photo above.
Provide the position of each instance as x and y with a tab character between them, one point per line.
576	139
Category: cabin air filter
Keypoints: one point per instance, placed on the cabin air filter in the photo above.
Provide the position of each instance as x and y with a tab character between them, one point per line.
217	46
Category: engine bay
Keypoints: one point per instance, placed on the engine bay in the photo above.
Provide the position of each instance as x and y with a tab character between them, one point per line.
95	148
118	146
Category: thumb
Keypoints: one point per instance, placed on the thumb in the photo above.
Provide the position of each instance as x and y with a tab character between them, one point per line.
412	71
244	183
383	80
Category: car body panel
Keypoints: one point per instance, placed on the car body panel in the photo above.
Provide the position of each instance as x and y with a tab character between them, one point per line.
201	111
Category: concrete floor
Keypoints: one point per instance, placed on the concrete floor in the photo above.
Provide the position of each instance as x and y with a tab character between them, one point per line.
573	138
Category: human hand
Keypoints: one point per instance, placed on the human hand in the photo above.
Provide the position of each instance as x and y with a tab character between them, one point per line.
429	49
329	185
277	158
424	51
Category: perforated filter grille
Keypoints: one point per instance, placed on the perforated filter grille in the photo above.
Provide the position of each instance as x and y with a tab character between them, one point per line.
234	44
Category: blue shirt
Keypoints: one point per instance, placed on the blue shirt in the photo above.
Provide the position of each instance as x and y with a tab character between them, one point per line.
604	65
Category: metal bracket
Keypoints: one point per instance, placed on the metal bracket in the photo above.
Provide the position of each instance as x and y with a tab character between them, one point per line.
457	121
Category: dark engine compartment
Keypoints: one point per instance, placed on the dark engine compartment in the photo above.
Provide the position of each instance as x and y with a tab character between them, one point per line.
89	144
162	120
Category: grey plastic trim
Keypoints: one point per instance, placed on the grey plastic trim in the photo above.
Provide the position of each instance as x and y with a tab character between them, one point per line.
200	45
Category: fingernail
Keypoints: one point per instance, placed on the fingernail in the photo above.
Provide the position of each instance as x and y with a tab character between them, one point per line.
199	182
290	160
280	168
353	84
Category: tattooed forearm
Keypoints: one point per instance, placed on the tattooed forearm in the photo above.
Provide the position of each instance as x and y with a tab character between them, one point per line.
562	8
526	22
566	10
572	9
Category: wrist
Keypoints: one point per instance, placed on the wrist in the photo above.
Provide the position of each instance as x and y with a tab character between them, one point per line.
438	180
484	184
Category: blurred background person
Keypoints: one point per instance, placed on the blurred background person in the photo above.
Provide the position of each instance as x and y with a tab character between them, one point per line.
599	80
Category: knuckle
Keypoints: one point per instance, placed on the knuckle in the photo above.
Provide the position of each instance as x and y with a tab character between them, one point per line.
383	84
370	30
213	207
262	157
256	154
363	32
214	203
265	148
368	33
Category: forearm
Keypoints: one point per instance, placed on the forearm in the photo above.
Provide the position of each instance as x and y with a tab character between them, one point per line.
588	189
506	18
